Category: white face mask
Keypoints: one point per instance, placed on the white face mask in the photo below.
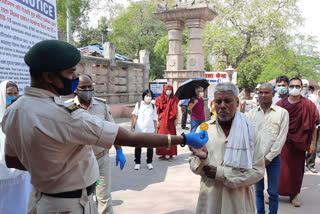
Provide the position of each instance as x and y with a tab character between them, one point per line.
201	94
147	99
294	92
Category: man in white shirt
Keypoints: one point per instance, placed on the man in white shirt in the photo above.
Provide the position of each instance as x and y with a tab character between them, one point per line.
282	89
271	124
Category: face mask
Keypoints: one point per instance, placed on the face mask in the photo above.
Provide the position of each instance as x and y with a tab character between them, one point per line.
67	90
75	84
294	92
168	92
85	95
201	94
282	90
147	99
9	99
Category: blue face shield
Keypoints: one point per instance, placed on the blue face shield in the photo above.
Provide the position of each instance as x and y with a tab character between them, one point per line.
9	99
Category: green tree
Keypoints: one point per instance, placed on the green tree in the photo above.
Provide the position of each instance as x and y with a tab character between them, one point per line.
79	12
244	28
299	59
136	28
89	35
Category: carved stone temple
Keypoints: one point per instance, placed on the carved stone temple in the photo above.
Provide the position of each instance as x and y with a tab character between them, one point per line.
191	14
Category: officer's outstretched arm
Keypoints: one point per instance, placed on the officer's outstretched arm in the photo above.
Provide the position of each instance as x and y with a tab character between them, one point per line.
126	138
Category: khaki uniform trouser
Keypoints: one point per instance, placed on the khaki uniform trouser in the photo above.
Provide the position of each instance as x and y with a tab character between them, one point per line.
39	203
43	204
103	189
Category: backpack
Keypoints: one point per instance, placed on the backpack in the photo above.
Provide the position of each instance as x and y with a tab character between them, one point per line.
139	104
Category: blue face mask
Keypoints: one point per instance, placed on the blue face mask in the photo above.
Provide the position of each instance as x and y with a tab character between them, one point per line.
9	99
75	84
282	90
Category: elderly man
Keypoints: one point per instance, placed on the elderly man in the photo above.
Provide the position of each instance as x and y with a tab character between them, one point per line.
271	123
302	135
52	140
231	162
282	89
98	107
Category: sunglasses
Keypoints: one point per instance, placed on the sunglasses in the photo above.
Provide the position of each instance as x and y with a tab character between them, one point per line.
295	86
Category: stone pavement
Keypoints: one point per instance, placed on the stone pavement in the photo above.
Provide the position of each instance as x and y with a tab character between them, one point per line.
171	188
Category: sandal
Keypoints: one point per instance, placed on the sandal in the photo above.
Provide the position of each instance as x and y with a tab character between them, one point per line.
162	158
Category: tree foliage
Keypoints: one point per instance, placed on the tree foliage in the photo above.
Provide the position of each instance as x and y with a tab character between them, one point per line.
136	28
90	35
79	13
299	59
244	28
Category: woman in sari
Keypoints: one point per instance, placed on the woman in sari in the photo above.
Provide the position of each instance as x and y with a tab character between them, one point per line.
15	185
167	108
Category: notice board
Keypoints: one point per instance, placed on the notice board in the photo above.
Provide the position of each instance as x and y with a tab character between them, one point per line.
22	24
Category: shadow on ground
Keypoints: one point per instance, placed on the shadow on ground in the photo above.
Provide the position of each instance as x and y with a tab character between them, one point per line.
138	180
117	203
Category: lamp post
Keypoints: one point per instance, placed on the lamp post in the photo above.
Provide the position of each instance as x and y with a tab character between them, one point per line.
230	72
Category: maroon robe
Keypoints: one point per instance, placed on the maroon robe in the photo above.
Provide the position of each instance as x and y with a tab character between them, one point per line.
167	114
303	117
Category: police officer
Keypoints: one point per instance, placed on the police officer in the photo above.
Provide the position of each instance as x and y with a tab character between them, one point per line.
49	138
98	107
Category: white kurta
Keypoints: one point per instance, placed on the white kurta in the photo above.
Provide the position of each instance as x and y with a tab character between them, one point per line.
232	191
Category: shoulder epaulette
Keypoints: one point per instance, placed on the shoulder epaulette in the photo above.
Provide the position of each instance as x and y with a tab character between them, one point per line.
72	108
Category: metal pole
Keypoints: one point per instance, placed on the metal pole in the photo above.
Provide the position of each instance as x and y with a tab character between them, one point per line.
69	36
102	39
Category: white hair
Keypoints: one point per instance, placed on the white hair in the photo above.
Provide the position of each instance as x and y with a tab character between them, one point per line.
227	86
305	82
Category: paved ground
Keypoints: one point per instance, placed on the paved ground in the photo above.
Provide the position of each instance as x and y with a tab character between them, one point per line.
171	188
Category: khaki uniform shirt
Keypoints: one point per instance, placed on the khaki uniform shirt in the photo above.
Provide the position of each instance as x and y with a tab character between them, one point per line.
272	127
100	109
232	190
50	139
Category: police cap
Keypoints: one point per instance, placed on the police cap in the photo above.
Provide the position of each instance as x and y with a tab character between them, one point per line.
52	56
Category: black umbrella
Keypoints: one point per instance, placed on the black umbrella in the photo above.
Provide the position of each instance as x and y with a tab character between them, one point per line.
187	88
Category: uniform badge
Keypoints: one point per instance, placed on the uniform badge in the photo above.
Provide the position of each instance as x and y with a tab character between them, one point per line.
72	108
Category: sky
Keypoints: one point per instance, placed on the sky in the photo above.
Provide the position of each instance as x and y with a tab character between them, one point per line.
309	9
310	12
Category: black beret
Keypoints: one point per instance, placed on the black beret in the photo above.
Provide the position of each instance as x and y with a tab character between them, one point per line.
52	56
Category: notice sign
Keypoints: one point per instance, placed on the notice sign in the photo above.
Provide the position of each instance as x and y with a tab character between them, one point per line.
217	77
156	88
22	24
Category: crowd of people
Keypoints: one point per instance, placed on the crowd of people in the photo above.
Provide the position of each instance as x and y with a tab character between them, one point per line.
64	146
55	153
